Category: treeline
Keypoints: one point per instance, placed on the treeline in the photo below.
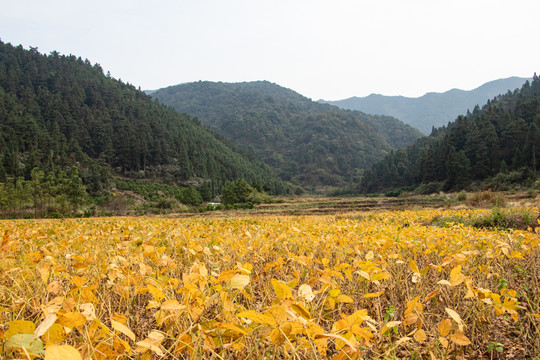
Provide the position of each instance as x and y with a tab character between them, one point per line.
52	194
307	143
59	194
494	146
60	111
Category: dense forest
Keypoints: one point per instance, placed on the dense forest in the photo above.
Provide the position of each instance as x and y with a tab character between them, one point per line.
431	109
307	143
496	146
60	112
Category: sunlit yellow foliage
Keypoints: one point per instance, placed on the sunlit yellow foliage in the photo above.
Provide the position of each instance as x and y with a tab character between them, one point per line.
370	285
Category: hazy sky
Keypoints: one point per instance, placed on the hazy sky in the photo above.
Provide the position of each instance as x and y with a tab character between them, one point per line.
330	49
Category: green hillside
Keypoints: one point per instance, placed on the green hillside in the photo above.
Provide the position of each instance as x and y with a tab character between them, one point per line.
496	146
307	143
58	112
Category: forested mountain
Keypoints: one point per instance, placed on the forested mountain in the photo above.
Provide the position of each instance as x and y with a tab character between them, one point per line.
306	142
498	144
60	111
432	109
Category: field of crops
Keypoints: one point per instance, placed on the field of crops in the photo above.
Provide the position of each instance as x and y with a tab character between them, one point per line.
390	284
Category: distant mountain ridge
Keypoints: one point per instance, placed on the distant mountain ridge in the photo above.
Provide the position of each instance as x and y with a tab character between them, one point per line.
432	109
305	142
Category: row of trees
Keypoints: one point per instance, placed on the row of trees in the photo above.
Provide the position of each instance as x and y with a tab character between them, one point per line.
501	138
51	194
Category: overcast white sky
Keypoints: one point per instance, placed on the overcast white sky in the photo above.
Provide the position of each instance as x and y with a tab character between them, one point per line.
330	49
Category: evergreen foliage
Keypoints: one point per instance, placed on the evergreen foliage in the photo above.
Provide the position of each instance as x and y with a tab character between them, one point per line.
236	192
43	194
307	143
239	194
59	113
498	142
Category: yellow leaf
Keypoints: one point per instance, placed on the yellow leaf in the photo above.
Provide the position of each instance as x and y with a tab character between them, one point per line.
71	319
226	275
363	332
257	317
331	302
160	317
444	327
344	299
54	335
152	342
510	292
454	315
358	317
389	325
44	272
156	336
515	255
45	325
123	329
305	292
88	311
62	352
230	327
340	325
183	342
460	339
277	337
414	267
172	305
121	345
456	270
156	292
346	341
380	276
34	257
420	335
443	342
53	306
456	277
363	274
20	327
278	313
372	295
431	295
78	281
301	310
54	287
282	290
410	319
238	281
145	345
334	292
121	318
444	282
